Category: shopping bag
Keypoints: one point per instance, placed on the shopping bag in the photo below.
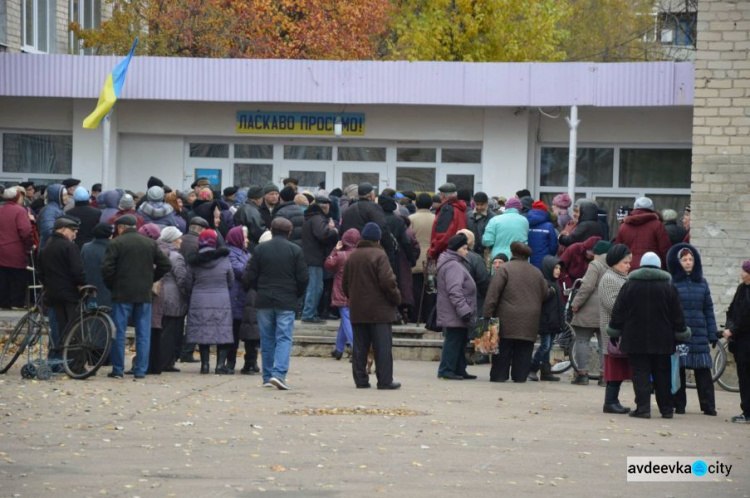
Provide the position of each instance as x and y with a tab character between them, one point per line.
675	358
487	336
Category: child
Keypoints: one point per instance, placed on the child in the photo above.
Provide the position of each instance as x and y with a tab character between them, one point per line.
551	322
335	264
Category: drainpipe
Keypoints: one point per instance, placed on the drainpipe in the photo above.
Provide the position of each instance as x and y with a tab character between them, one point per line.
573	150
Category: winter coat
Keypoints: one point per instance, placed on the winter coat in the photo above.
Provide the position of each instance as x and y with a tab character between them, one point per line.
89	217
505	229
52	211
421	224
588	226
697	306
249	329
370	285
399	241
237	295
249	215
364	211
542	236
457	292
161	214
209	318
277	271
449	219
516	295
642	231
108	202
60	270
206	211
317	235
16	236
675	232
587	298
266	214
474	264
189	244
552	319
738	322
477	223
574	258
294	214
648	316
405	265
609	288
139	222
335	264
173	289
92	255
132	263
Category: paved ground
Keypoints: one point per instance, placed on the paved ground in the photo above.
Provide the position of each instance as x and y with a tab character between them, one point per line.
189	435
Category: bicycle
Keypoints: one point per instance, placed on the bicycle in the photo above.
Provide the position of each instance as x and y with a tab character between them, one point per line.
718	365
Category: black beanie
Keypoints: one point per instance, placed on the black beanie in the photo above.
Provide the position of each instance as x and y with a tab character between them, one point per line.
287	194
616	254
153	181
457	242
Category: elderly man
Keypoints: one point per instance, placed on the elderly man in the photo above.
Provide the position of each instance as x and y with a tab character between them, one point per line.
131	265
449	219
16	240
270	201
318	234
248	215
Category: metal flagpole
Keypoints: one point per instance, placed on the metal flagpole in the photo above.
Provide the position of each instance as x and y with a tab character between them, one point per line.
105	150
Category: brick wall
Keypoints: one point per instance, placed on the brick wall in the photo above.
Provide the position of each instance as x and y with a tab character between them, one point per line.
720	222
13	10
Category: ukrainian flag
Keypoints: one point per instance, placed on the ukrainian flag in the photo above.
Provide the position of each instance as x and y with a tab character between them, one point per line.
110	92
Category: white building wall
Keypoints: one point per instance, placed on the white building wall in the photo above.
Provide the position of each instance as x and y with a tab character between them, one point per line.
504	151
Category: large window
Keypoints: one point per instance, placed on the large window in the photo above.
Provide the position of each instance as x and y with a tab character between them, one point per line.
38	25
88	15
37	155
655	168
594	167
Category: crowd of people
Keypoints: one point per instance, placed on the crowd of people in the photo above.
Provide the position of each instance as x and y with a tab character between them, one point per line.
201	268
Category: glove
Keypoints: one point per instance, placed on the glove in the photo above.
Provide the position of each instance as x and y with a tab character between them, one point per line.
713	344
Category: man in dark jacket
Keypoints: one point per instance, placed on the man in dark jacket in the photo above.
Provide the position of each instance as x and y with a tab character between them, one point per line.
364	211
131	265
588	225
61	272
278	273
88	215
477	219
370	286
270	201
318	233
288	209
449	219
248	215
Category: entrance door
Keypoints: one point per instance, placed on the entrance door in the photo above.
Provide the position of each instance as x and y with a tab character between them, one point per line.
310	164
348	173
464	176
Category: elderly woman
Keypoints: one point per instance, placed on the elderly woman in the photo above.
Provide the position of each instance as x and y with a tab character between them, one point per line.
173	297
738	334
616	368
516	294
648	320
209	319
237	244
456	308
684	263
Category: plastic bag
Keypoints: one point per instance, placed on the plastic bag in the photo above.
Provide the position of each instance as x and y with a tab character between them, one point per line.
675	358
487	336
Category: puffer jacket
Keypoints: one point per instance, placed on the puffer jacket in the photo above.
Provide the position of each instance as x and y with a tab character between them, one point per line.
335	264
450	217
161	214
697	306
542	236
52	211
552	319
587	298
209	318
317	236
588	226
505	229
295	215
477	223
457	292
108	202
642	232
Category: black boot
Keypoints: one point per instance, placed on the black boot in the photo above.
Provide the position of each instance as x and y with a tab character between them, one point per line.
222	350
254	357
205	352
547	373
611	403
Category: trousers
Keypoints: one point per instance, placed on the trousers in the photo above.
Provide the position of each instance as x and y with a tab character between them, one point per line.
704	384
380	337
513	360
658	367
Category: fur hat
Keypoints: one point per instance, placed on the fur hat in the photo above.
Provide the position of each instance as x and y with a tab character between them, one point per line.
520	250
643	203
153	181
562	201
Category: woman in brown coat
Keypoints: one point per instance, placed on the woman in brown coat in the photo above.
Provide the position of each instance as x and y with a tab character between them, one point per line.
515	296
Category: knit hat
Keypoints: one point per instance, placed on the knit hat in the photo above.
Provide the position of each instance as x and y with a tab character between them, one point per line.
541	206
746	265
267	235
102	230
371	231
170	234
287	194
351	190
562	201
643	203
364	189
207	238
291	179
651	259
617	253
150	230
155	194
301	200
255	192
501	256
81	195
127	203
281	225
154	182
424	201
602	247
457	242
513	203
270	188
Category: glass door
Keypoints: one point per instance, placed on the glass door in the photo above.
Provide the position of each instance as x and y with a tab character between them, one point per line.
346	173
464	176
312	165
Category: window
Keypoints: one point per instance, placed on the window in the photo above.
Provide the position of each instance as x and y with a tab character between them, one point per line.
415	179
38	25
37	154
374	154
461	156
462	182
209	150
416	155
309	180
309	152
655	168
88	15
594	167
357	178
242	151
246	174
678	28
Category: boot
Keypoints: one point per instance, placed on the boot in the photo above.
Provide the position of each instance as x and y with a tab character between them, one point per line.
533	373
547	373
222	351
254	357
231	359
204	351
615	408
581	378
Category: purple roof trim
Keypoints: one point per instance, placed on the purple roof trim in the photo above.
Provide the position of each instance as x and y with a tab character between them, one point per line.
642	84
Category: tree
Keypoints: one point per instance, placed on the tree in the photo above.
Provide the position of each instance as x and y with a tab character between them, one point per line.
301	29
478	30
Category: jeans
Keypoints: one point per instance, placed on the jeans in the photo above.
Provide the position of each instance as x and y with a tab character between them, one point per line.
345	330
142	319
542	352
453	355
276	327
314	291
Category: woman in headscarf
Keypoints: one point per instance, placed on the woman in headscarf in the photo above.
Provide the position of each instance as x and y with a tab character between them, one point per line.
173	297
738	333
238	256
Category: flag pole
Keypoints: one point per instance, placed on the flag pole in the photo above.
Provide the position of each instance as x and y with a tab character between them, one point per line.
105	151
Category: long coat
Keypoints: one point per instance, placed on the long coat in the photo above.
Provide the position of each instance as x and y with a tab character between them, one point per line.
16	236
516	294
588	226
93	255
421	225
552	320
542	236
174	285
370	285
587	298
237	295
642	231
209	318
89	217
295	215
60	270
317	236
50	212
697	306
457	292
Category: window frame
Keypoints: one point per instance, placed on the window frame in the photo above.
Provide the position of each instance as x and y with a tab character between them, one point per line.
76	46
51	33
24	176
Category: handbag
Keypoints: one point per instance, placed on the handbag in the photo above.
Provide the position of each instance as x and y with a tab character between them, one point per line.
675	359
613	350
431	323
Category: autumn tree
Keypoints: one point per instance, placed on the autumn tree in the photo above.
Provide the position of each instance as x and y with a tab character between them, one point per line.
478	30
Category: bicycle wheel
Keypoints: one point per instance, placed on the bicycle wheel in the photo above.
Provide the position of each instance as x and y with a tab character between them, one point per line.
728	379
86	345
718	364
564	342
25	332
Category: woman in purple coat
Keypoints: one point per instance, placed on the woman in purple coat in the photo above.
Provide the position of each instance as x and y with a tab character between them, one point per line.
238	257
209	319
456	308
